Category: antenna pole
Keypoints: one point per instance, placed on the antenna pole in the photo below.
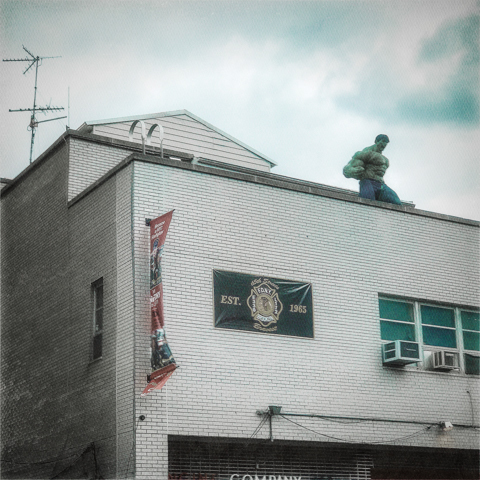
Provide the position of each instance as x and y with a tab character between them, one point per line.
68	108
33	123
34	60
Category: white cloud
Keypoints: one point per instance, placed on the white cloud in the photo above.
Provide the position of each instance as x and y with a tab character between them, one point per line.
279	84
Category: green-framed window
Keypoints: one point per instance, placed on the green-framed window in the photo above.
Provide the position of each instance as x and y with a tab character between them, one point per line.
396	320
434	327
438	326
470	330
471	340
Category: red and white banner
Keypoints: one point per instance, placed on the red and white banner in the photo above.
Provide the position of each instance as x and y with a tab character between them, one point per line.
162	361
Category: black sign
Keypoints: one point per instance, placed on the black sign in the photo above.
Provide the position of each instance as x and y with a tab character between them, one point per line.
262	304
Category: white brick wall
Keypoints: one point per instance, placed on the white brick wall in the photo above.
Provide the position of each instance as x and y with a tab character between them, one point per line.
89	161
349	252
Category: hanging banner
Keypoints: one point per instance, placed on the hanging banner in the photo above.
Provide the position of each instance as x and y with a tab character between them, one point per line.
262	304
162	361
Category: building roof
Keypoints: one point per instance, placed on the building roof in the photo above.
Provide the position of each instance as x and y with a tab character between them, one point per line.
178	113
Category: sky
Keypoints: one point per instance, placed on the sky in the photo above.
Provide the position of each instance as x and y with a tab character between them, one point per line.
306	83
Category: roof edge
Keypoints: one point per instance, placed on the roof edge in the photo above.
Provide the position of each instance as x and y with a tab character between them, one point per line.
276	181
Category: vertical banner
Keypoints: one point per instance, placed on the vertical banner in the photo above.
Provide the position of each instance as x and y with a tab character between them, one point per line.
162	361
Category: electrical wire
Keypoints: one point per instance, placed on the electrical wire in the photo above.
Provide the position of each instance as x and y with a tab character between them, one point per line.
313	431
133	447
73	463
347	422
45	462
59	459
259	427
419	432
471	406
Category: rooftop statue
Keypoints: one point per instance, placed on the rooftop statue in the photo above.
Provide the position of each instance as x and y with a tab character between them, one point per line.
369	167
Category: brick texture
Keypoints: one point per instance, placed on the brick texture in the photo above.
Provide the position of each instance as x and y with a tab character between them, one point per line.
350	253
37	387
56	401
88	162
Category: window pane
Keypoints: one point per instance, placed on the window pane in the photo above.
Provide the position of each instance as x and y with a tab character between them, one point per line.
443	317
440	337
97	346
471	340
397	331
470	321
396	310
99	296
98	320
472	364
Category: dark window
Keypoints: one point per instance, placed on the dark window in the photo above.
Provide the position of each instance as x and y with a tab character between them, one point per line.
471	340
97	288
472	364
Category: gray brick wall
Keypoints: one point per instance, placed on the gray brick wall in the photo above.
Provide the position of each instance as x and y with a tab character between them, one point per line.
4	182
125	311
350	253
35	289
55	400
93	255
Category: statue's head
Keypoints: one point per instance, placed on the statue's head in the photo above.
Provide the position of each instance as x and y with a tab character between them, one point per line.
381	142
383	137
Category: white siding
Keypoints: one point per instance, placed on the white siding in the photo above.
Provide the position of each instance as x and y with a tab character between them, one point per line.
184	134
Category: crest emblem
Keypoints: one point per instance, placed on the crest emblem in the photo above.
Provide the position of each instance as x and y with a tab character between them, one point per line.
265	305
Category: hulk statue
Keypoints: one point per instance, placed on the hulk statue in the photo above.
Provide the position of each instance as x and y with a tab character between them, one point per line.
369	167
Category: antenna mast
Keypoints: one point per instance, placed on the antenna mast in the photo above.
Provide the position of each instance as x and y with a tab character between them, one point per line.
34	60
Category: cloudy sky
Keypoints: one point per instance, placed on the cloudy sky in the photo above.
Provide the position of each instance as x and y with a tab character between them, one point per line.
307	83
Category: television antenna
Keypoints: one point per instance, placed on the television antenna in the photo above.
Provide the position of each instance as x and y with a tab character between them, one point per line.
37	61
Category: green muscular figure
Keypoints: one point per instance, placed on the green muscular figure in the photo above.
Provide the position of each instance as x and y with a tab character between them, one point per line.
369	166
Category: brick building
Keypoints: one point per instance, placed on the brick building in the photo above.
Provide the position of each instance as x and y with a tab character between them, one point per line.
76	319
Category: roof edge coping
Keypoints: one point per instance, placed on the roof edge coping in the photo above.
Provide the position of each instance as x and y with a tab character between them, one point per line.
272	180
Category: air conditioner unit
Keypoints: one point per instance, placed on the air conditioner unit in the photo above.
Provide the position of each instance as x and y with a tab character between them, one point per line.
443	360
400	352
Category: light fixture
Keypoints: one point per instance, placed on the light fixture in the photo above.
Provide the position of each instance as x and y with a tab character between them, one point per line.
274	410
446	426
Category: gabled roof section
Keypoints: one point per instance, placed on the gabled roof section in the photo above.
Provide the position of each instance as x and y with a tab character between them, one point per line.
188	133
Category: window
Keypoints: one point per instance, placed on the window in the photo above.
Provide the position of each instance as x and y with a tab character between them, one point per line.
400	324
471	340
438	326
97	289
451	329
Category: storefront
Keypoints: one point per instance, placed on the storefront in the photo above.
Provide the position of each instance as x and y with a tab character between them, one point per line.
219	459
194	458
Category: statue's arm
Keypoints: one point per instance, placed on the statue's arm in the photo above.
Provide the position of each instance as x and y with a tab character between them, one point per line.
355	168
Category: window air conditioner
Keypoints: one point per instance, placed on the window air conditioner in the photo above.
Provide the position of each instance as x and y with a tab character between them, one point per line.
443	360
400	352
